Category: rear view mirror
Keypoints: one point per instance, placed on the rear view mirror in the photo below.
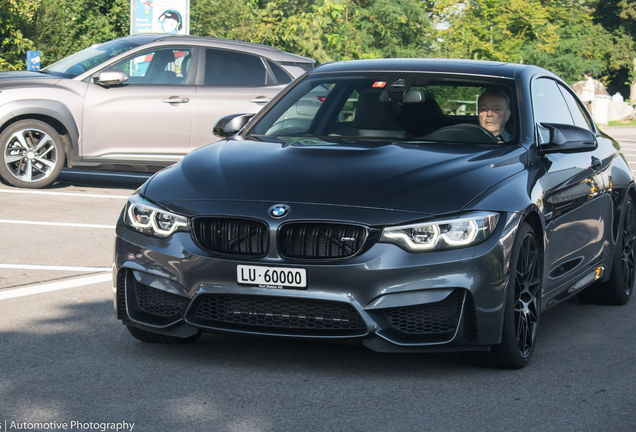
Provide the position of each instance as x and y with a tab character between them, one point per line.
566	138
110	77
230	125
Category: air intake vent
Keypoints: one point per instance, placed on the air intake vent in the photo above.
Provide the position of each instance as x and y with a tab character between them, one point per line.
121	293
427	319
231	236
262	314
321	240
157	302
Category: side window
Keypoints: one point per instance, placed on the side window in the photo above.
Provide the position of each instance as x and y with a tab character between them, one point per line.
229	68
281	76
170	66
576	110
348	112
549	106
297	118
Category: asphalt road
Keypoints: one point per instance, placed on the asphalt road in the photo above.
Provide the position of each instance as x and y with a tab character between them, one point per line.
65	360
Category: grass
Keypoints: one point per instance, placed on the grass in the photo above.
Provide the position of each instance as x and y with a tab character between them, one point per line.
623	123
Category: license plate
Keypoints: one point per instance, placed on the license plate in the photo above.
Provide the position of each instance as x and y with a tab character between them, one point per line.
271	277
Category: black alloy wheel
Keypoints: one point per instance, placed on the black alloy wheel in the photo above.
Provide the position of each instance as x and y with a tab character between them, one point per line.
527	296
628	257
618	289
522	307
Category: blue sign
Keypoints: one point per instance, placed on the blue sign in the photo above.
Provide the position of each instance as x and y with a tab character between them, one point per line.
33	60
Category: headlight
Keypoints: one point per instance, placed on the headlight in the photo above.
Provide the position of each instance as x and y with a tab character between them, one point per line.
461	231
149	219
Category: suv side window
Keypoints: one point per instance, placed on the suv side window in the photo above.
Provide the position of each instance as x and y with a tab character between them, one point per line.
168	66
549	106
576	109
281	76
230	68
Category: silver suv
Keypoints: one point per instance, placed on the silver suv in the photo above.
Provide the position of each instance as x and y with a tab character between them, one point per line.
138	103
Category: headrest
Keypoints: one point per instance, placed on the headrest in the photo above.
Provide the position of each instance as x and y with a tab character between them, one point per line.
411	96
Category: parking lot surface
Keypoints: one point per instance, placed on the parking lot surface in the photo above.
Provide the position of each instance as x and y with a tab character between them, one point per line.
66	359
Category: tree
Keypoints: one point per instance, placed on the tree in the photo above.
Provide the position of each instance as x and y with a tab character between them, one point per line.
559	35
620	16
565	36
80	24
493	29
583	45
228	19
389	28
322	29
16	19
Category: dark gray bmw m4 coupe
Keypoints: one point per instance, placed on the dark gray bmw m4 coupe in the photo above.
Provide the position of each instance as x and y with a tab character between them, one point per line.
412	205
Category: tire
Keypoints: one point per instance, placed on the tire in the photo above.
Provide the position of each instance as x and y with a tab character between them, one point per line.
522	307
32	154
146	336
618	289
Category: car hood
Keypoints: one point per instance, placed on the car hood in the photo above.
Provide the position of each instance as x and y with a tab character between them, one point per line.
425	178
26	77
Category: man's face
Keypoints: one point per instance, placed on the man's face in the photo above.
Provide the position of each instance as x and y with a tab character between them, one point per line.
493	113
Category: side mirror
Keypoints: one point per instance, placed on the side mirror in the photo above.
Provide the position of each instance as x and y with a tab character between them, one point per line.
110	77
230	125
566	138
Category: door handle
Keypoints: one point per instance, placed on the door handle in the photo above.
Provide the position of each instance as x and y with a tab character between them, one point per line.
260	99
596	162
176	100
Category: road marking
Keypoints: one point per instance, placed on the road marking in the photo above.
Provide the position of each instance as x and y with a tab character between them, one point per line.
47	267
63	224
38	289
22	191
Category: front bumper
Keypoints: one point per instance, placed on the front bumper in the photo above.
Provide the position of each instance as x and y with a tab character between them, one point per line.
385	297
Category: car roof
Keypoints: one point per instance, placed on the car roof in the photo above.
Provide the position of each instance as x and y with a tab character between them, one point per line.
451	66
255	48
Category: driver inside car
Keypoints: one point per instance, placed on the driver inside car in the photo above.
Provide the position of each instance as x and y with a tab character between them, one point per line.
494	111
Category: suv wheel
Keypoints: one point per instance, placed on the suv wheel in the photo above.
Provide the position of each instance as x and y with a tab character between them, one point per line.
32	154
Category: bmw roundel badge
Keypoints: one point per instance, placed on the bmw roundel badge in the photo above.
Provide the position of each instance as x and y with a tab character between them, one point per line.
278	211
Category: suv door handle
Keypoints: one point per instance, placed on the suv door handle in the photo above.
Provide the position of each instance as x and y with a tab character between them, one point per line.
260	99
176	100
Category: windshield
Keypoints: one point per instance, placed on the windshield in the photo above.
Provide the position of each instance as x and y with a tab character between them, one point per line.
84	60
392	106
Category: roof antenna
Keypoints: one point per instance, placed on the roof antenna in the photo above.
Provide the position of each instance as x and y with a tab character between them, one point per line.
268	32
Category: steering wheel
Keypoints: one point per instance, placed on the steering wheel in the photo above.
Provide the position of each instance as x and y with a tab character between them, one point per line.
463	132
